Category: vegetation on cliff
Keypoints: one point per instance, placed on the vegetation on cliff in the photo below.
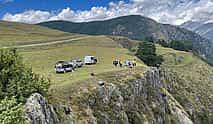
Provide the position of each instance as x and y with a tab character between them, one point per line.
17	82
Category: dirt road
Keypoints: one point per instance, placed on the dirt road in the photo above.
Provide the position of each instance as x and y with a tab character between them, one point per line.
48	43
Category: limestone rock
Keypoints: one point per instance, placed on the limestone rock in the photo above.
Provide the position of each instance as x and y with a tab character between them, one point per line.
38	111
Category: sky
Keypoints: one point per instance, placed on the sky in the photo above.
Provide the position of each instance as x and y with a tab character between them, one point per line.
173	12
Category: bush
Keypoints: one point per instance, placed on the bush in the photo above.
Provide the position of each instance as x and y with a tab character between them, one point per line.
16	79
177	45
17	82
147	53
11	112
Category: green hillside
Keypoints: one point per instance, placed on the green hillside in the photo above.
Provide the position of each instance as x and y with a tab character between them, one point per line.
105	49
189	80
187	76
139	28
12	33
133	26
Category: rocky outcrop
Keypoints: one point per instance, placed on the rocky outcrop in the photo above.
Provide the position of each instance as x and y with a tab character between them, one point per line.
38	111
142	100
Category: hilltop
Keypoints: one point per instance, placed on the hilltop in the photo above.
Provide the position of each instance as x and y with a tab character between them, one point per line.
13	33
139	28
133	26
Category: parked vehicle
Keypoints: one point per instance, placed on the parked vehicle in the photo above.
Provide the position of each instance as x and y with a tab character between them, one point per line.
63	67
73	64
89	60
78	63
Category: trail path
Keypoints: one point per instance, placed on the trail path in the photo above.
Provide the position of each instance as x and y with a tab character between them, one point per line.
47	43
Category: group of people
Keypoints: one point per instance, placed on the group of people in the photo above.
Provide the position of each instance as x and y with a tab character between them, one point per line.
117	63
127	63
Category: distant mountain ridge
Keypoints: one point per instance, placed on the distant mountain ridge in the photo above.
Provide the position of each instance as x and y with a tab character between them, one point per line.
204	29
139	28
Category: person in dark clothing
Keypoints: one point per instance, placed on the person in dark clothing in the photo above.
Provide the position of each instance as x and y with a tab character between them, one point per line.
134	62
115	63
120	63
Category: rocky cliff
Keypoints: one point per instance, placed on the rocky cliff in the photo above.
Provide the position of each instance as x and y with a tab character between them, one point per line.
38	111
134	96
141	99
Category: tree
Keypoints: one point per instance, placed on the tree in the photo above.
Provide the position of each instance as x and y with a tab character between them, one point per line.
18	80
11	112
147	53
181	45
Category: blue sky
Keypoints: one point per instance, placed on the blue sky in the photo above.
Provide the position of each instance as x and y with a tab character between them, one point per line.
18	6
173	12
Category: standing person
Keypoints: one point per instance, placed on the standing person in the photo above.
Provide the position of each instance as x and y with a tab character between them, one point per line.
134	62
115	63
130	64
120	63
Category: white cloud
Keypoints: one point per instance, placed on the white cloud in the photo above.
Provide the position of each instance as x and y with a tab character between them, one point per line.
164	11
6	1
30	16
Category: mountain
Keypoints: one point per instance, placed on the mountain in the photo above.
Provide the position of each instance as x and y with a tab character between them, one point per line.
204	29
139	28
191	25
134	26
12	33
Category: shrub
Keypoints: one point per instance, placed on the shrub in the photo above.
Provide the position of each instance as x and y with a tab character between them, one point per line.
11	112
16	79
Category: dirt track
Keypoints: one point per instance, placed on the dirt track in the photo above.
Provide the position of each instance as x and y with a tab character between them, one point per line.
48	43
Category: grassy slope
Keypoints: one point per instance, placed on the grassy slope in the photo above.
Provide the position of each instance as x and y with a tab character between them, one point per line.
193	81
65	86
105	49
195	76
139	28
12	33
190	82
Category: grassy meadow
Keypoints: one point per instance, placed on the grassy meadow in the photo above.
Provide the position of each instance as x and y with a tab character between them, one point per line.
12	33
175	58
43	59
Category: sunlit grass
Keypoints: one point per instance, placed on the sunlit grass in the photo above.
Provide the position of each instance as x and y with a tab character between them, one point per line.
106	50
12	33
